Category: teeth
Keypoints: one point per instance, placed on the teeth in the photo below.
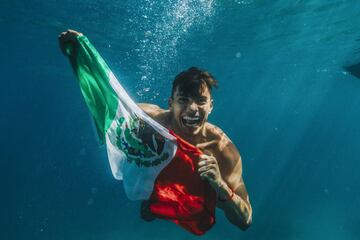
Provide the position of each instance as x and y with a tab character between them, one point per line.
190	121
191	118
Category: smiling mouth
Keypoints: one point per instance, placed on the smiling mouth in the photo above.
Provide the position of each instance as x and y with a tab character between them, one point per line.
190	121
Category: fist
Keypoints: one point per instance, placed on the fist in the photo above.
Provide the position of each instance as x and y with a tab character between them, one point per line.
208	169
66	37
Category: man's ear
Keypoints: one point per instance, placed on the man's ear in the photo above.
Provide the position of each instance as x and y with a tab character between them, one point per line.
211	105
170	102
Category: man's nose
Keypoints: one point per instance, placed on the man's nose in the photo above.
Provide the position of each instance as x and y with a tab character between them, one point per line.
193	106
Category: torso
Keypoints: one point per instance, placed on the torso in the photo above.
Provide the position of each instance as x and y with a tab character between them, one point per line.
212	141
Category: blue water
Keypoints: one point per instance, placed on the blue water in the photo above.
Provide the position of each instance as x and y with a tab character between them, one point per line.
284	100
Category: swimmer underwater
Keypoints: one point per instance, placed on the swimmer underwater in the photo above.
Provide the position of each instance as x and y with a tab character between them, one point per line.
190	104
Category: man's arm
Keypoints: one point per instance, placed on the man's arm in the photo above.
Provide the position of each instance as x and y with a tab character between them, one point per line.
232	189
224	173
237	208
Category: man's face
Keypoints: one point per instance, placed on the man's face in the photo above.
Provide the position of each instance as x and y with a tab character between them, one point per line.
190	112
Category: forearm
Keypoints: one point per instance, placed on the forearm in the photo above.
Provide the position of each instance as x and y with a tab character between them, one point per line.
237	210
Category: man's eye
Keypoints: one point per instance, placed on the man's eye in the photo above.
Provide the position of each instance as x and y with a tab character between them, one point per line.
202	101
182	100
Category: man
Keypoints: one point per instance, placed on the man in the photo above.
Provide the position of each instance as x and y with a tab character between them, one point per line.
189	107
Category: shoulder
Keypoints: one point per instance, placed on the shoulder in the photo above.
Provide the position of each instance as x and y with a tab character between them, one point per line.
154	111
151	109
223	142
217	134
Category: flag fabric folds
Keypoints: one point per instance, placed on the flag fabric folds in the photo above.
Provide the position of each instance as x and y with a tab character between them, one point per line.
154	163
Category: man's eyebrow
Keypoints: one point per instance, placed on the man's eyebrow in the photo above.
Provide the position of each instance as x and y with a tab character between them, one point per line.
193	97
202	97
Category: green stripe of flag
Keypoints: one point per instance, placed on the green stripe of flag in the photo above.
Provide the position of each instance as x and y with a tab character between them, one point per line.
93	75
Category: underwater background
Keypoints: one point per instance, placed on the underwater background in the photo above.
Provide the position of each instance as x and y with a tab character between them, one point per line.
284	99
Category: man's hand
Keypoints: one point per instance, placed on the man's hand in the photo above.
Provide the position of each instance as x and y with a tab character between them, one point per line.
209	170
66	37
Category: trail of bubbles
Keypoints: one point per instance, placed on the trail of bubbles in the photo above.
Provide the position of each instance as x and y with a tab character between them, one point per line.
165	26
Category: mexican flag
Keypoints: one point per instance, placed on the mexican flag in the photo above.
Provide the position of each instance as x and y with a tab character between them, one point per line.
153	163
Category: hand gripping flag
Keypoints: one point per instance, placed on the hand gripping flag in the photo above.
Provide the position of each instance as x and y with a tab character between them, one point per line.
153	163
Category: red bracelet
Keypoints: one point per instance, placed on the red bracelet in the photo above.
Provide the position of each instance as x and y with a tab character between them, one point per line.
228	198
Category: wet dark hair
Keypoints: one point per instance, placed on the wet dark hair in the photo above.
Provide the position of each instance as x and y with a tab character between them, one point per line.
189	82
